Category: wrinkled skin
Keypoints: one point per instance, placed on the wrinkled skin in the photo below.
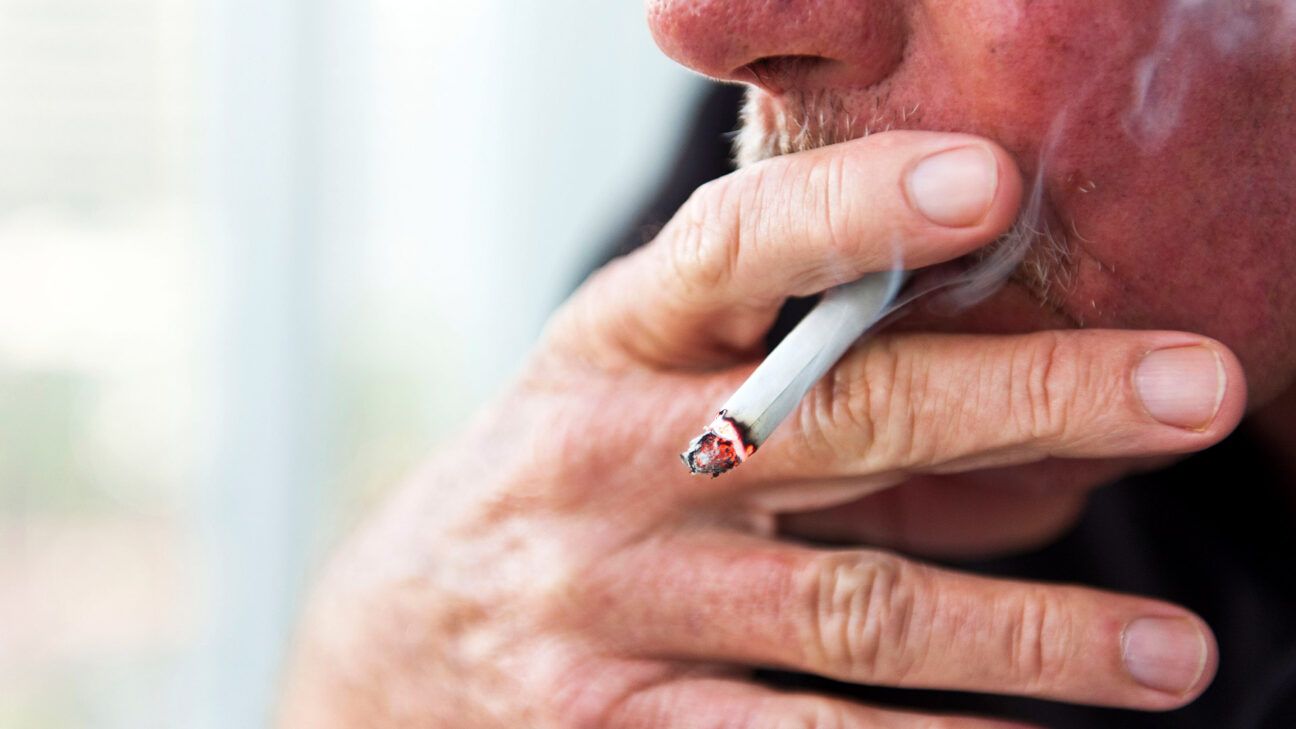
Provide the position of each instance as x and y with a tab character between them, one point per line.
1167	183
1214	254
554	567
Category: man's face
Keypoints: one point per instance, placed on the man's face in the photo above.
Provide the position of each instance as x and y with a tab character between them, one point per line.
1162	132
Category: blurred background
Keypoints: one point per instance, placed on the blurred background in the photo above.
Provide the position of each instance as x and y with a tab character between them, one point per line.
256	258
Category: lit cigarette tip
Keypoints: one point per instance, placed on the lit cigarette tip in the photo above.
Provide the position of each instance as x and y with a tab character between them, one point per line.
719	449
773	390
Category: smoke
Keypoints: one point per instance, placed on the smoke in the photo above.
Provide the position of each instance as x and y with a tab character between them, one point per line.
997	263
1029	250
1191	37
1194	34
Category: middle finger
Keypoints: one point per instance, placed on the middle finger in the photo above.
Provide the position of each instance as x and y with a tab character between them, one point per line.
949	403
872	617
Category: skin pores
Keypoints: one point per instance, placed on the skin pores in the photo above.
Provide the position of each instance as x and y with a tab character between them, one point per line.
1163	129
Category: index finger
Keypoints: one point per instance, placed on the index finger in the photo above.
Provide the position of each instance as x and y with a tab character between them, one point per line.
790	226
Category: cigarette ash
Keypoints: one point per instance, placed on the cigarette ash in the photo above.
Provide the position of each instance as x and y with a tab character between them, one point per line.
720	448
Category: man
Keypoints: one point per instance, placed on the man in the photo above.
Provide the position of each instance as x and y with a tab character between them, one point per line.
555	567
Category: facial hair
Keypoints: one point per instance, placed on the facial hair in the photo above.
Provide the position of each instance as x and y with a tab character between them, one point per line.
1035	252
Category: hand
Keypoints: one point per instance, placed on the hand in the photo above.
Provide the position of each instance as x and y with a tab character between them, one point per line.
556	568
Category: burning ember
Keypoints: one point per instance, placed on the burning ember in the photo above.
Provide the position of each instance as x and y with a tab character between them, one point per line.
719	449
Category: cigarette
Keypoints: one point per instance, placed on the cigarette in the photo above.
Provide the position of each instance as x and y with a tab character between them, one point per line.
750	415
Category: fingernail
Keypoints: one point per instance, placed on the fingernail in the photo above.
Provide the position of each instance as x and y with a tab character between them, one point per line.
1183	386
1166	654
955	188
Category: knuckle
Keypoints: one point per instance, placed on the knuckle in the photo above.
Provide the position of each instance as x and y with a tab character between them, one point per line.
825	192
1036	641
866	410
707	236
856	613
800	207
1042	387
837	416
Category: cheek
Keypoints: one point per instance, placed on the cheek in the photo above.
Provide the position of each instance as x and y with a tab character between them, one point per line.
1171	182
1195	232
1178	205
1015	65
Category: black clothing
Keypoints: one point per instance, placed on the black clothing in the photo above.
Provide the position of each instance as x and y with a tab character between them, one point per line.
1214	533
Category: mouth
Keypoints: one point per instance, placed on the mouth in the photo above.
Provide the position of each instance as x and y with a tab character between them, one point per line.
1038	248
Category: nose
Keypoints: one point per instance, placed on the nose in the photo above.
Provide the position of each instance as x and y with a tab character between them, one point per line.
782	44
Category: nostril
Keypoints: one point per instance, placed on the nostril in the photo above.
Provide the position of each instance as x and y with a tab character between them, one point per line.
840	44
775	74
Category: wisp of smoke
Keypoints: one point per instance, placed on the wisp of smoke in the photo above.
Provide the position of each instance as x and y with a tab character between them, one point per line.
1192	33
1030	234
1039	256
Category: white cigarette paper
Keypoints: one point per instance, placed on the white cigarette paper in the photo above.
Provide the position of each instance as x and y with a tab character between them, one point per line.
773	391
